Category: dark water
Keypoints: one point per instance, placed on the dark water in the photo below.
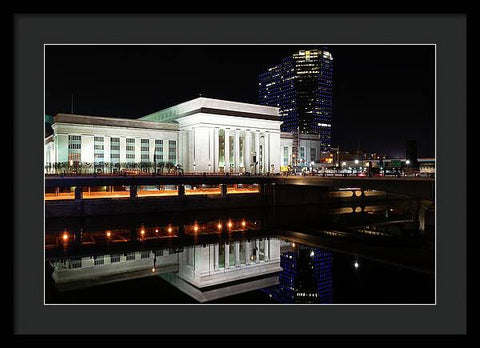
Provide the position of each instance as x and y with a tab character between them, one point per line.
320	255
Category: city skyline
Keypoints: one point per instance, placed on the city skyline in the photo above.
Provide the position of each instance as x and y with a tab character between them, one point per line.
370	82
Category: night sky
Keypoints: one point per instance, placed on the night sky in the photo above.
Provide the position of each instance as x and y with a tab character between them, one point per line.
383	95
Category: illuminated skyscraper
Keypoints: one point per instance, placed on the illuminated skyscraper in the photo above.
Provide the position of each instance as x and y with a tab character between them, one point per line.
301	86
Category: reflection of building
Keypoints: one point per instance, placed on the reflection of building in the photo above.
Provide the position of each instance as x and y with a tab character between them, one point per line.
214	264
306	276
88	271
301	86
200	135
205	272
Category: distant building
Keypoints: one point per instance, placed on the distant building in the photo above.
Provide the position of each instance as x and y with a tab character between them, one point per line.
301	86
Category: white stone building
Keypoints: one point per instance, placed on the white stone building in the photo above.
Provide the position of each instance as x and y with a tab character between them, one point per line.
200	135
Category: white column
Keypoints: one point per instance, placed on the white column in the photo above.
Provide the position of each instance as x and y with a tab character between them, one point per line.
247	252
267	152
227	256
215	150
227	151
87	149
257	251
123	149
191	150
267	250
236	148
211	153
151	149
216	251
106	149
137	150
247	156
257	149
237	254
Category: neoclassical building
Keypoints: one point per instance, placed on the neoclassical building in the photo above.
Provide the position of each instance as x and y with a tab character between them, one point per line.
200	135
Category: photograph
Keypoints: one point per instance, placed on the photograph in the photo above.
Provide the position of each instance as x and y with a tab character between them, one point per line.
240	174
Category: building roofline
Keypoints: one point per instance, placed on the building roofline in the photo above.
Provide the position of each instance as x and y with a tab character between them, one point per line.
111	121
215	106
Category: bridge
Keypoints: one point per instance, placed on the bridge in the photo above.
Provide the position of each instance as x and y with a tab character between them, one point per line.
417	187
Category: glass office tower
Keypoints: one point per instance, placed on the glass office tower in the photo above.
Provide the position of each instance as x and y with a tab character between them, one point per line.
301	86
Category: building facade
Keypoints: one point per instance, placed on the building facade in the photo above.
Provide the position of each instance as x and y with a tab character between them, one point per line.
302	86
201	135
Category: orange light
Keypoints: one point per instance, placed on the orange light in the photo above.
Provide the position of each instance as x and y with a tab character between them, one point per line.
153	269
169	230
109	234
243	223
229	224
156	230
142	232
195	228
65	237
219	226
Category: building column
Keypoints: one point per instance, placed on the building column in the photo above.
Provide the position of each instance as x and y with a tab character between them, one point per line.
257	250
247	155
236	148
123	150
267	249
191	151
247	253
106	149
151	150
216	151
267	152
227	256
216	253
137	150
227	151
257	150
211	151
237	254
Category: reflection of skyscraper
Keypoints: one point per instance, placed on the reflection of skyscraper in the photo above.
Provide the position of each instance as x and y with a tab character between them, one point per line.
301	86
306	277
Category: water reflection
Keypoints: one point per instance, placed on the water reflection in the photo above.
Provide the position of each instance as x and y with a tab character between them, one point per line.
286	273
215	257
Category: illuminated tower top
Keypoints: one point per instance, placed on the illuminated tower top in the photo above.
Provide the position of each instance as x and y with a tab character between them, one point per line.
301	86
